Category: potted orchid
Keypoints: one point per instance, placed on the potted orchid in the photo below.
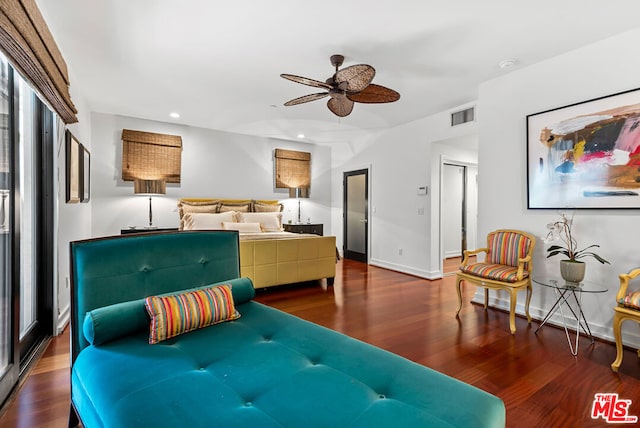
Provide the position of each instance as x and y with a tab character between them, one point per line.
571	269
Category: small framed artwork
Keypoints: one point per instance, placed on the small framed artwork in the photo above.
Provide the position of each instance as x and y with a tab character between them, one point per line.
585	155
85	174
73	163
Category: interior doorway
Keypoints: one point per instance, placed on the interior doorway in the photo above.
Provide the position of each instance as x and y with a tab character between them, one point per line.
458	212
356	215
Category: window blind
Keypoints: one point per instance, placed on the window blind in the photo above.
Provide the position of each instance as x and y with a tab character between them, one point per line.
293	169
151	156
28	44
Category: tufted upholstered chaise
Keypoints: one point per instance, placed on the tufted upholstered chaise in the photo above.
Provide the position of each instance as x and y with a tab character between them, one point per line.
265	369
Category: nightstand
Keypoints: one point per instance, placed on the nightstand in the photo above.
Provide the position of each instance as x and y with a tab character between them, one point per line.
315	229
130	230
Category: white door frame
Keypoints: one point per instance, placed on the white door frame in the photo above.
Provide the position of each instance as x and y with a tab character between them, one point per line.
451	161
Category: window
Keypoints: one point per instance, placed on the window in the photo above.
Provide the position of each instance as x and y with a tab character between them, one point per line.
26	225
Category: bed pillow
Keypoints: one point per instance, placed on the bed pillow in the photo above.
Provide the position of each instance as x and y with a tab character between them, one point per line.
269	221
189	207
261	207
176	314
242	227
205	221
241	207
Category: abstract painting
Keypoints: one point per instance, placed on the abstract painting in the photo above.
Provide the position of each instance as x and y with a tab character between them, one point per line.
585	155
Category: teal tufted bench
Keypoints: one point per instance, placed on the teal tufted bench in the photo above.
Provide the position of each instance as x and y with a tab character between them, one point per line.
265	369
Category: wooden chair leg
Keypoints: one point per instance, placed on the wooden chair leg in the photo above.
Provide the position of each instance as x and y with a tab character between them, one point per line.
486	298
458	281
617	333
526	305
512	310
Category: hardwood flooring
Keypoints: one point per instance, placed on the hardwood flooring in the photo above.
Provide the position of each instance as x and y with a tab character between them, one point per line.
541	383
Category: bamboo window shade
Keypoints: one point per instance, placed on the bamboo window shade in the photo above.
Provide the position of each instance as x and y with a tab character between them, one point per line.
293	169
151	156
28	44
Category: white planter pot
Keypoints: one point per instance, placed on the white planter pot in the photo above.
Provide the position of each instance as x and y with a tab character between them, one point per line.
571	271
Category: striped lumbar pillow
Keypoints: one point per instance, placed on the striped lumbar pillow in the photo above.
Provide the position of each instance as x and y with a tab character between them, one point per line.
179	313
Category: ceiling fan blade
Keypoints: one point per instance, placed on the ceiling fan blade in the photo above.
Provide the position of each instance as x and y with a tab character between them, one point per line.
374	94
306	99
340	106
357	77
306	81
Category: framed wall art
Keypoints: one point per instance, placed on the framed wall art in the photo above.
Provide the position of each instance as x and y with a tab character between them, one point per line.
73	168
85	174
585	155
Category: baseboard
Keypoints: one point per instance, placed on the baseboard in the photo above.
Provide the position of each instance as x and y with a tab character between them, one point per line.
63	319
406	269
604	332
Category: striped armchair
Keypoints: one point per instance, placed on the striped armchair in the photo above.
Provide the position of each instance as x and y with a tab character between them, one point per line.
507	266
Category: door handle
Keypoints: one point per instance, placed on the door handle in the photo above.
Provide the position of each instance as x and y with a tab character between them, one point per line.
364	220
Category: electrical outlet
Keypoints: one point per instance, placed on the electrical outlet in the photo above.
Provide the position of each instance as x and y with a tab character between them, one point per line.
399	251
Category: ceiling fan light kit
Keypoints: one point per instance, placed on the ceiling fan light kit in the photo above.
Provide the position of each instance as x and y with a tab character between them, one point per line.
347	86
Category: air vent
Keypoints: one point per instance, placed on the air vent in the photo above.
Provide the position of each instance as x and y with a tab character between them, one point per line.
463	116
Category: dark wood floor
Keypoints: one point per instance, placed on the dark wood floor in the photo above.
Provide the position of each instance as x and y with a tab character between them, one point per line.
541	384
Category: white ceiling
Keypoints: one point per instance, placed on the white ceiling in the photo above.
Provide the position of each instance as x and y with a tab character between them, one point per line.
218	63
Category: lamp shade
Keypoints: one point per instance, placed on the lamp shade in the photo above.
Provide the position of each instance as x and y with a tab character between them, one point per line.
299	192
149	187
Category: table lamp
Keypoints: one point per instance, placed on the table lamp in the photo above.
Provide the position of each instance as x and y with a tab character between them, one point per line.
298	193
150	188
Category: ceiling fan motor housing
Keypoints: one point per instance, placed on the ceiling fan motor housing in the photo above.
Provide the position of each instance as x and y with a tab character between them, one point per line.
337	60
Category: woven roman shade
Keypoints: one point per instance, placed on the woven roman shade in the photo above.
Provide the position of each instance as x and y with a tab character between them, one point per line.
29	46
293	169
151	156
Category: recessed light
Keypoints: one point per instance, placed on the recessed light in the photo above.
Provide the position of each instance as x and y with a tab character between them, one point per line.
507	63
300	135
174	115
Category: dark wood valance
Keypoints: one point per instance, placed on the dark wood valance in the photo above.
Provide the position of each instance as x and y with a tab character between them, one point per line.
293	169
151	156
28	44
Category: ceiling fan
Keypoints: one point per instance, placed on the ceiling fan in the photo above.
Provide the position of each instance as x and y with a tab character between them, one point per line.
348	85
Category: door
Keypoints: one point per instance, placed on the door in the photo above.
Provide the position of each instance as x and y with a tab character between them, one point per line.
9	349
26	226
36	223
453	210
458	212
356	215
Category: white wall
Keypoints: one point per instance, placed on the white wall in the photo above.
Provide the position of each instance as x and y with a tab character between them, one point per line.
214	164
74	220
603	68
401	160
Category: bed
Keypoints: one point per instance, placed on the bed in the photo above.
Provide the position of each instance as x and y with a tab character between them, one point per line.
255	366
268	255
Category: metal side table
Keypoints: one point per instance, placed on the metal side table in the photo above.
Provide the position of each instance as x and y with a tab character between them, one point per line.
564	292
